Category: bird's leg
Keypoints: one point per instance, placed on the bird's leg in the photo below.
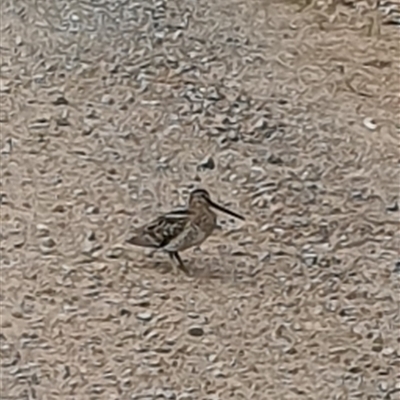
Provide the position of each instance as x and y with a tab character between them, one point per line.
172	257
181	265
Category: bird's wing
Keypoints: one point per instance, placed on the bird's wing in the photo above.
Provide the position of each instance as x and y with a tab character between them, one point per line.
187	237
159	232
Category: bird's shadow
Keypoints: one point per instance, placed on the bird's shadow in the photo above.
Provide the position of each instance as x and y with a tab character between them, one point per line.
195	272
203	270
163	267
209	273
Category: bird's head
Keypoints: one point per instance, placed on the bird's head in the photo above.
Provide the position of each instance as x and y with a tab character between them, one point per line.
201	197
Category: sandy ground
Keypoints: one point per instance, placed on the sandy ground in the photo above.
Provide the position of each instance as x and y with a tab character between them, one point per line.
109	113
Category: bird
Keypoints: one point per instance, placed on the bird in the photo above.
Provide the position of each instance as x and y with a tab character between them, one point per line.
181	229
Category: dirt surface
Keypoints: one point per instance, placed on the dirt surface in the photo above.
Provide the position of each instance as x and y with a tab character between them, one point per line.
111	111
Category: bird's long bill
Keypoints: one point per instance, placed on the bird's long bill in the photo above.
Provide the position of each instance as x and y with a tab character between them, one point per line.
225	210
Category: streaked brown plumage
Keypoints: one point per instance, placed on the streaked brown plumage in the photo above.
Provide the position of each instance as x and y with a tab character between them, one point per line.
178	230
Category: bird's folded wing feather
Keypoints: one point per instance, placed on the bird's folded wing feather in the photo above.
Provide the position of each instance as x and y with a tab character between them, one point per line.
166	227
190	235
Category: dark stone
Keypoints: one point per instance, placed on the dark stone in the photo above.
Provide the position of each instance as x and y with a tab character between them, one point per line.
196	331
60	101
207	163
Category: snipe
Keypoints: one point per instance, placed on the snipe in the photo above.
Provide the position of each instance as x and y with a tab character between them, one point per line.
181	229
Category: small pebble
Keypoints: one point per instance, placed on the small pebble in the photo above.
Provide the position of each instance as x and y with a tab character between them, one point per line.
196	331
124	311
393	207
42	230
144	316
5	323
79	192
397	267
165	394
3	198
63	120
310	259
3	116
276	160
222	142
369	123
91	235
186	396
87	130
297	326
48	242
40	123
92	210
233	136
7	147
107	99
219	374
388	351
383	386
89	247
59	208
60	101
17	313
19	242
261	124
206	163
114	253
263	257
4	88
213	94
